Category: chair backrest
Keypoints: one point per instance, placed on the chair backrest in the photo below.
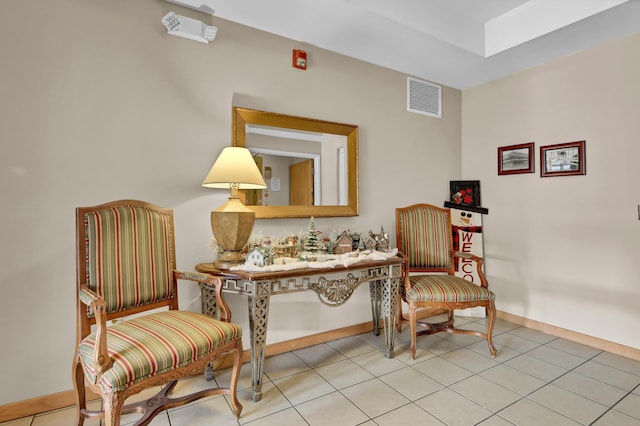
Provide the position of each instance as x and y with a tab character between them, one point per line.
423	234
126	254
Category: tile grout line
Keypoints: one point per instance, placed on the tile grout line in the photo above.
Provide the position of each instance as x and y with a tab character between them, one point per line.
547	383
614	405
496	413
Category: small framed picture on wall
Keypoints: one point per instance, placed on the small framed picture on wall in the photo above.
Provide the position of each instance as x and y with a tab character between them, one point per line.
563	159
516	159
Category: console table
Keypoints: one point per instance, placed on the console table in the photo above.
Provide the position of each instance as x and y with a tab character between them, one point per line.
334	287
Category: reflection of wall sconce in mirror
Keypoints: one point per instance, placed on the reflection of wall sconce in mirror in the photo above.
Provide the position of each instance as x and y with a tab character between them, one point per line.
267	175
192	29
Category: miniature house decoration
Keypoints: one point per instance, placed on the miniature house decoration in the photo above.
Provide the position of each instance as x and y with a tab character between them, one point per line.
255	257
344	243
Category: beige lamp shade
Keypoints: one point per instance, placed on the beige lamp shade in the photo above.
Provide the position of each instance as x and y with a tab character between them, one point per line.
235	166
232	222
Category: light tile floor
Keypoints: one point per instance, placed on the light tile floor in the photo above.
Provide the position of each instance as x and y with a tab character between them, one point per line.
536	379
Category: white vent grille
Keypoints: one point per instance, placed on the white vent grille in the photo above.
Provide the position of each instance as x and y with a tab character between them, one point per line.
424	98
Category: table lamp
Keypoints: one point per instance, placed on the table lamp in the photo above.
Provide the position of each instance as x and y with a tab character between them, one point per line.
232	223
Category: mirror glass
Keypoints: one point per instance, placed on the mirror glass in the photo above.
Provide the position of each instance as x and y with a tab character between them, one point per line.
310	166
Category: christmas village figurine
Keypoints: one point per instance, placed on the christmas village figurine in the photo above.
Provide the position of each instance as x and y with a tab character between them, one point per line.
288	248
382	240
344	243
255	257
357	239
369	242
308	245
311	242
261	253
379	242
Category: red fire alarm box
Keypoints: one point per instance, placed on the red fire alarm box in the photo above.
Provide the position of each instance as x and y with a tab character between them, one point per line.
299	59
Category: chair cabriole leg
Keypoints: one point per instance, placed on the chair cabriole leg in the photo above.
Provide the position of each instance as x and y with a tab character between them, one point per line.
492	318
235	373
78	383
112	409
413	311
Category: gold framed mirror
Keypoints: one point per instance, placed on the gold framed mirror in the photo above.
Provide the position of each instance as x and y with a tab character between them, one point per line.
325	151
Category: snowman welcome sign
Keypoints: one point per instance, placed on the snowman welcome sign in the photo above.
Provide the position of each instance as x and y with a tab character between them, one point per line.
466	228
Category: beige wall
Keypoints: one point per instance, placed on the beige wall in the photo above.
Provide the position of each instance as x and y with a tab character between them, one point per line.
98	103
564	250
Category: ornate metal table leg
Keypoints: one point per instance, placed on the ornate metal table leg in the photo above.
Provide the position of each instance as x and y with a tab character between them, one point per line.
375	291
389	306
209	307
258	315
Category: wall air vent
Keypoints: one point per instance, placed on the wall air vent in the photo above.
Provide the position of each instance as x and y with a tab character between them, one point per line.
424	98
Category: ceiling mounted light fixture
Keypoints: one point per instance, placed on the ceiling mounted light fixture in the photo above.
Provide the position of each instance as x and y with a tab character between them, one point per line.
192	29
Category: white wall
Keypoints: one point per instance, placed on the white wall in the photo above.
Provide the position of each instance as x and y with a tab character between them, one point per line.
564	250
98	103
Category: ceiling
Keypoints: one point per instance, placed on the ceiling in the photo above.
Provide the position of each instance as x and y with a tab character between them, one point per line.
457	43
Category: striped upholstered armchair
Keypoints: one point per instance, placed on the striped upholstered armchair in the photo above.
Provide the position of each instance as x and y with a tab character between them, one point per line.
126	265
424	236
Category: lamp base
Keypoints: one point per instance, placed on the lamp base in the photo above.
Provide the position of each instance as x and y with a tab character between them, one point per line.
228	258
231	225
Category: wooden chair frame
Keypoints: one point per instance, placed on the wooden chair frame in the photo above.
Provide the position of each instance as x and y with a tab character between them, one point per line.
90	301
435	307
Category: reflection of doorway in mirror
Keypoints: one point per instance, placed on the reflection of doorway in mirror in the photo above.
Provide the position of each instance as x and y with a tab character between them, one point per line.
330	154
280	162
301	177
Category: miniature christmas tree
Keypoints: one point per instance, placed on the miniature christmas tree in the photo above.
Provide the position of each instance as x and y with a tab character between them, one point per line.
331	244
311	242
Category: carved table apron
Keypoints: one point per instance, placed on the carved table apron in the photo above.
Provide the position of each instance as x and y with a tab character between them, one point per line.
334	287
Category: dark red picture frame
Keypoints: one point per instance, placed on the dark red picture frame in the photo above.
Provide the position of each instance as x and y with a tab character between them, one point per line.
563	159
516	159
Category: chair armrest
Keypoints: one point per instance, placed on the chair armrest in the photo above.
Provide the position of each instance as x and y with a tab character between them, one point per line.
406	285
465	255
202	278
101	359
478	260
